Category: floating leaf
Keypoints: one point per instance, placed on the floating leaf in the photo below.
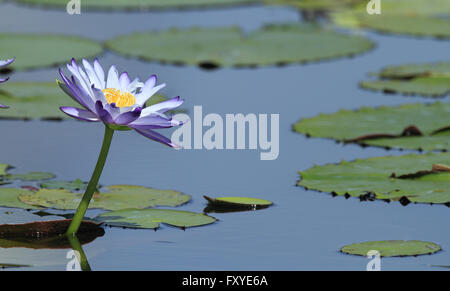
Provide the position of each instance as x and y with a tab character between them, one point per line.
9	197
76	185
381	178
421	79
13	266
392	248
141	4
3	169
34	51
414	17
212	47
322	5
32	176
151	218
239	202
385	126
111	198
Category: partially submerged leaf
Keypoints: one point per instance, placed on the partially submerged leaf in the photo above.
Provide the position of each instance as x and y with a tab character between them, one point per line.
375	178
414	17
415	79
13	266
9	197
151	218
33	51
392	248
29	177
213	47
140	5
111	198
363	125
238	202
76	185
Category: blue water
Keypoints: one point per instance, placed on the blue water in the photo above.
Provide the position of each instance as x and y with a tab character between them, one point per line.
304	230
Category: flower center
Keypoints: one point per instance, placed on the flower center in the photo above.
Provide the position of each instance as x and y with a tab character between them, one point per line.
121	99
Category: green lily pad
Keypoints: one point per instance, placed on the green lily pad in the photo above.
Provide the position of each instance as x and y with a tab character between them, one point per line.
413	17
9	197
392	248
213	47
76	185
422	79
322	5
151	218
29	177
3	169
385	126
13	266
253	203
141	4
111	198
393	178
33	51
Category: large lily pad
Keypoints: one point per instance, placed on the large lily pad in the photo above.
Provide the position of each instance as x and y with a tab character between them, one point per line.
111	198
421	79
414	17
212	47
410	126
406	179
392	248
9	197
151	218
141	4
34	51
76	185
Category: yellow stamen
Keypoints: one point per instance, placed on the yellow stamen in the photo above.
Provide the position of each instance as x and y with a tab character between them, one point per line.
121	99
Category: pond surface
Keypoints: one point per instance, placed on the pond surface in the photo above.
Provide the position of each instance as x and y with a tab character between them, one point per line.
303	230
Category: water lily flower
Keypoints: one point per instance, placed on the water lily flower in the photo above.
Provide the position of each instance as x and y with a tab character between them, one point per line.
117	101
120	104
4	63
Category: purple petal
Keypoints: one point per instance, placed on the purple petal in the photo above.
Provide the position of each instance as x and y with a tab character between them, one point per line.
3	80
4	63
104	115
124	81
80	114
164	106
151	134
3	106
78	94
128	117
155	121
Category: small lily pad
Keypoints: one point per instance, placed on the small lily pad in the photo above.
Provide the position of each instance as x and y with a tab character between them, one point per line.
409	126
13	266
227	47
151	218
413	17
141	4
111	198
416	79
33	51
9	197
76	185
394	178
29	177
238	202
393	248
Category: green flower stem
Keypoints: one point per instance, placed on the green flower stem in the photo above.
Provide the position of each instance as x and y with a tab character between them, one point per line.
92	186
81	256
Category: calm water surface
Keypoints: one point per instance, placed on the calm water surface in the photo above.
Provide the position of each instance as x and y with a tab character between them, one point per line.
303	231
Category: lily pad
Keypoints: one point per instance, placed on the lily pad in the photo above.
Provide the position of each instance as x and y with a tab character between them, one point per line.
409	126
323	5
13	266
76	185
421	79
213	47
3	169
33	51
9	197
29	177
239	202
413	17
391	178
111	198
151	218
393	248
141	4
